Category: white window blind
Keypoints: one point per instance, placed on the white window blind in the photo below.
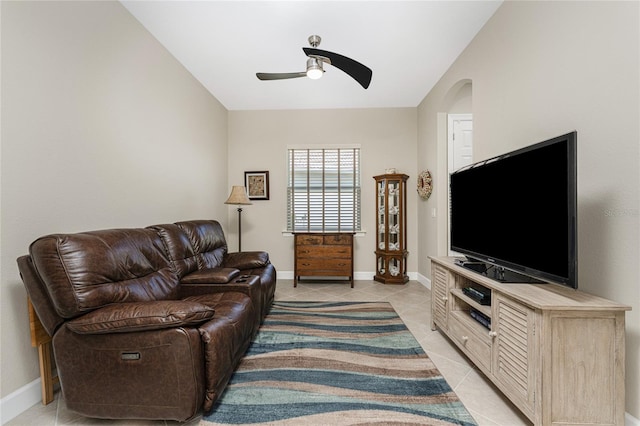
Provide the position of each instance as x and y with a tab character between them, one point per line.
323	191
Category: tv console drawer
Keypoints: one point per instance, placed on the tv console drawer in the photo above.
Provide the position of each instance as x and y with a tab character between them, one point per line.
478	347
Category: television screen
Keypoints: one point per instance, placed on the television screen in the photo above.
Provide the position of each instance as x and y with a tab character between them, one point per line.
519	210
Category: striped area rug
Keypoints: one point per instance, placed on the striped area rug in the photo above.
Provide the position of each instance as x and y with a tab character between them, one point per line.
337	363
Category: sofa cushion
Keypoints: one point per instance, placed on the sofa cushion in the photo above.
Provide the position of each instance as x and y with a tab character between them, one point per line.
178	247
211	276
89	270
141	316
207	239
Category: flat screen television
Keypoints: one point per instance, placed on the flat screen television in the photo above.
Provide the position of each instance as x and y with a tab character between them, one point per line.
515	215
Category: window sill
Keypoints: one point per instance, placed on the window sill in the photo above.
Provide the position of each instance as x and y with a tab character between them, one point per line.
357	234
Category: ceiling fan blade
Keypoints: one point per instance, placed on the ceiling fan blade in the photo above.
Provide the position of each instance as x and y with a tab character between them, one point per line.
361	73
279	75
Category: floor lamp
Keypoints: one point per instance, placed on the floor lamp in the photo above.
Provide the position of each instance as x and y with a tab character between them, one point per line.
238	197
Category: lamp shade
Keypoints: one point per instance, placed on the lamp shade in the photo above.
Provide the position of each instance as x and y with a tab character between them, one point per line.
238	196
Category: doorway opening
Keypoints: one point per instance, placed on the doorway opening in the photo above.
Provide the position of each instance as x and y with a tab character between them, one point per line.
459	154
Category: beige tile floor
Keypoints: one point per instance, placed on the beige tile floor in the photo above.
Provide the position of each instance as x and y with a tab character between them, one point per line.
411	301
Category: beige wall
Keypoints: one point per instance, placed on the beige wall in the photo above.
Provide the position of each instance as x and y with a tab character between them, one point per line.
96	115
258	140
101	128
538	70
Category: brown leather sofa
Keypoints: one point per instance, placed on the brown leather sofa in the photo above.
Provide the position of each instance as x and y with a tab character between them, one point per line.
147	323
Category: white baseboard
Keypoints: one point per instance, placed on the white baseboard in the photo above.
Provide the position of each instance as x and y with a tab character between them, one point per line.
424	281
20	400
359	276
629	420
288	275
285	275
363	275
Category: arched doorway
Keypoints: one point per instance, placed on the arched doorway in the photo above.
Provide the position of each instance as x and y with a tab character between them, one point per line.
455	148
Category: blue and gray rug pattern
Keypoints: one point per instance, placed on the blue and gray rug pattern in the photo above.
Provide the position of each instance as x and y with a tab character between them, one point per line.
337	363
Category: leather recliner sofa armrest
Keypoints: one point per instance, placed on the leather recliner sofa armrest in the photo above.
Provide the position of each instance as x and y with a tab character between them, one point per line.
141	316
250	288
246	260
40	299
246	284
210	276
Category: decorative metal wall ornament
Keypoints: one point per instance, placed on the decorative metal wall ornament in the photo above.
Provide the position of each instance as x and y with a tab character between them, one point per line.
424	184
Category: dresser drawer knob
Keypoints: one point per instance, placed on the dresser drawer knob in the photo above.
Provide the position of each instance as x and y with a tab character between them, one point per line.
493	334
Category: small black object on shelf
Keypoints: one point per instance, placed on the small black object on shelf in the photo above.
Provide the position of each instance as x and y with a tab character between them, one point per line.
480	295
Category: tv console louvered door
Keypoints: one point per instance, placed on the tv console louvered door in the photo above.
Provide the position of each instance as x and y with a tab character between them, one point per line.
556	353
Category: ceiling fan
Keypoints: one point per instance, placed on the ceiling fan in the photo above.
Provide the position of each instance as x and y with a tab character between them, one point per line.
360	73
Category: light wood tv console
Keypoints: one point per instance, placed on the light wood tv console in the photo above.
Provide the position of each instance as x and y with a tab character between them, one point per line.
556	353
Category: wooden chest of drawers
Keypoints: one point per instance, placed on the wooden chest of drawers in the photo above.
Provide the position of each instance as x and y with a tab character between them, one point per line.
323	254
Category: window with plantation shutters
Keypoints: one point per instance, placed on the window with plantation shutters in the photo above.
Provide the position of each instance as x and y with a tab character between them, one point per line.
323	190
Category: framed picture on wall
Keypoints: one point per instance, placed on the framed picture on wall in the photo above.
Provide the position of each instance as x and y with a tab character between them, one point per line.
257	184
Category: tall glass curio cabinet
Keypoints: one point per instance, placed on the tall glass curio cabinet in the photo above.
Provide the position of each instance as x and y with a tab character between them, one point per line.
391	229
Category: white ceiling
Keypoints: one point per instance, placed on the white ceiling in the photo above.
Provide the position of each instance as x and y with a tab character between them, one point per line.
408	44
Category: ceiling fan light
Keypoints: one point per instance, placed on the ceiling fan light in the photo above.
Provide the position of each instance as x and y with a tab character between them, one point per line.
314	68
314	73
